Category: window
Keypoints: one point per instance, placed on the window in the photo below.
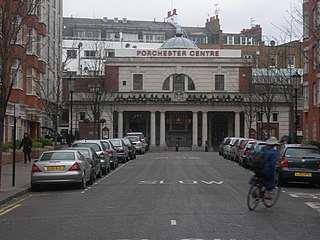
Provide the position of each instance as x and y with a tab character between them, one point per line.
82	116
273	61
89	54
275	117
71	54
178	82
291	61
30	36
306	25
219	82
306	62
16	74
314	89
259	116
137	82
191	84
230	40
306	97
39	45
166	84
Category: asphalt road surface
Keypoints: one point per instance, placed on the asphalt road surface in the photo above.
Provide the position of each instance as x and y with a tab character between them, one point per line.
163	196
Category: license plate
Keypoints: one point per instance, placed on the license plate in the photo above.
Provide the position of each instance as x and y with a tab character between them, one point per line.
55	168
300	174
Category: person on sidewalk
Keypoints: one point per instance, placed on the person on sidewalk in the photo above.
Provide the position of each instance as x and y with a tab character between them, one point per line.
26	143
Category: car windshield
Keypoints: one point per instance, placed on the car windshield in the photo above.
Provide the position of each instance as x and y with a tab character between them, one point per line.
95	146
84	152
134	139
58	156
303	152
116	143
106	144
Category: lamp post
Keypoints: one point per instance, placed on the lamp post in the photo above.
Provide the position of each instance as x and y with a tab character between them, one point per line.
296	78
71	90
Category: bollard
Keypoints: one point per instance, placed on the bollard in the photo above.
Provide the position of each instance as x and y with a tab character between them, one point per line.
206	146
177	147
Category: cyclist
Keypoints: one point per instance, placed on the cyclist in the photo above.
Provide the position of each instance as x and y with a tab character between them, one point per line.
269	168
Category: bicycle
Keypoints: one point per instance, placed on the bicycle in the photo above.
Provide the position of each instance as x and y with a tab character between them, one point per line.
257	193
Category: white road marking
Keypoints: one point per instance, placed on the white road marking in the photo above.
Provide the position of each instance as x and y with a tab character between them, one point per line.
173	223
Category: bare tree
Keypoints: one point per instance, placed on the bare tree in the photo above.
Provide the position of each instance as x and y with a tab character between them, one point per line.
14	17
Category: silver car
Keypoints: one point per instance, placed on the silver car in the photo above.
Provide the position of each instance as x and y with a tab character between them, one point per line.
60	166
100	149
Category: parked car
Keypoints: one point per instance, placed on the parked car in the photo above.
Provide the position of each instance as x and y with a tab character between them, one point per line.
256	147
229	144
93	159
239	148
233	149
299	163
141	136
51	134
114	161
100	150
61	166
121	148
131	147
222	146
139	145
244	153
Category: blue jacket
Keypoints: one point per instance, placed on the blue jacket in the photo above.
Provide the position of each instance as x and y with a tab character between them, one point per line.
269	169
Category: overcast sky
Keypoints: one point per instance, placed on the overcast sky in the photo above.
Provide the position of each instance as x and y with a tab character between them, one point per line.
234	14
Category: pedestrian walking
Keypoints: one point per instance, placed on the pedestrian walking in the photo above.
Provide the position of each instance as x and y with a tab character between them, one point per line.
26	143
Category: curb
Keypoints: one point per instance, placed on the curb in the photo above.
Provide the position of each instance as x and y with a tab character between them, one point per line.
13	196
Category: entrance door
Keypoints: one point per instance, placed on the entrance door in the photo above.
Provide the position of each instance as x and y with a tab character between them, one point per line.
137	123
219	125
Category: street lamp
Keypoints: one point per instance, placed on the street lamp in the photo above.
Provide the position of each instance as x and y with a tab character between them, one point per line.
71	90
296	78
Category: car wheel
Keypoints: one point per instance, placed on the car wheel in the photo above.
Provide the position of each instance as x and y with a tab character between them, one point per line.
83	183
135	156
99	175
35	187
91	180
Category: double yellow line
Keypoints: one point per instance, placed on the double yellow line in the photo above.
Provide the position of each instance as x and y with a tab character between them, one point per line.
11	207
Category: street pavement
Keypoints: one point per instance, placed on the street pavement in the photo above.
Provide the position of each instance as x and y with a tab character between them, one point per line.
21	181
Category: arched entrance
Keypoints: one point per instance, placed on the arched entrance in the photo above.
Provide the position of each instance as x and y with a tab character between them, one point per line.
219	131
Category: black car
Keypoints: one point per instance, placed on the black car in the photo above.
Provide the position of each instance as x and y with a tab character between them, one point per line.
93	159
131	147
299	163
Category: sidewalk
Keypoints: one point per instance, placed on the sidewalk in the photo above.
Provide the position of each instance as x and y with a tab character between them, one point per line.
22	181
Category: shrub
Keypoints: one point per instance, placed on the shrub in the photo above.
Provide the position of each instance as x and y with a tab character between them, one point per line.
36	143
7	145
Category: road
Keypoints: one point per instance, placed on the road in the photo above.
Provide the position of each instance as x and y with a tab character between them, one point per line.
163	196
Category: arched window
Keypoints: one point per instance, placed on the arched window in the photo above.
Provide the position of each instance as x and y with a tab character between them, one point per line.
166	84
179	81
191	84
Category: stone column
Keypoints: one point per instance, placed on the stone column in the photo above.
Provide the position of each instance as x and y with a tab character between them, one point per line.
237	124
152	129
195	130
120	124
204	128
163	144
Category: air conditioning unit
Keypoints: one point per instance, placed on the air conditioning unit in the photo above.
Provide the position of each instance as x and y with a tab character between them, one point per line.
105	19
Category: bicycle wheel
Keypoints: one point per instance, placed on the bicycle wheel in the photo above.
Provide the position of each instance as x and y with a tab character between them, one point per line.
275	194
253	197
